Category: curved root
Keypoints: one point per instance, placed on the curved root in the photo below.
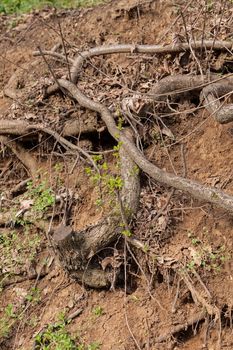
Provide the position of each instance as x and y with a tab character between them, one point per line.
223	113
75	249
28	161
198	191
211	87
152	49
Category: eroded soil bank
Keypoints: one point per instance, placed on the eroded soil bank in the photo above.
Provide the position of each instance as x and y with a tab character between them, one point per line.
179	289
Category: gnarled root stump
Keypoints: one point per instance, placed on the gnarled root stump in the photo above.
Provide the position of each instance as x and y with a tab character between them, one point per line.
76	249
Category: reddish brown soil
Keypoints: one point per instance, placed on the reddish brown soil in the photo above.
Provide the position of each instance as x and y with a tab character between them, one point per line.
145	311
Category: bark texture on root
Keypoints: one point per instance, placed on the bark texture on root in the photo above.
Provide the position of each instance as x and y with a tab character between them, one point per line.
10	127
76	249
16	87
152	49
14	127
211	87
191	321
81	57
179	85
22	127
223	113
195	189
12	88
25	157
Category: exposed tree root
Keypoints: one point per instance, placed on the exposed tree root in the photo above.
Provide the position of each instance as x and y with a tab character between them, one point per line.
199	299
16	84
191	321
152	49
12	88
14	127
75	249
28	161
180	85
198	191
131	48
76	127
5	282
54	54
212	93
19	187
22	128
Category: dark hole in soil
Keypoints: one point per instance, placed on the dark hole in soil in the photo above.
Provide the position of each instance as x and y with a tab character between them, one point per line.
160	278
101	141
188	333
227	316
187	298
131	283
28	142
132	270
227	67
195	100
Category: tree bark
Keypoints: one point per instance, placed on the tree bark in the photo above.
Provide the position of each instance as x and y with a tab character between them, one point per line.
76	249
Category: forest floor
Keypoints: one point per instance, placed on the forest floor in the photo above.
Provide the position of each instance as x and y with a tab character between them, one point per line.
178	293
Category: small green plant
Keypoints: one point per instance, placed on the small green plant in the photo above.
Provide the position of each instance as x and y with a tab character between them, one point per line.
114	183
18	248
146	248
99	202
55	337
134	298
34	296
116	150
33	321
204	256
93	346
120	123
108	183
191	265
194	240
7	320
126	233
5	327
42	195
209	5
58	167
22	6
98	311
9	311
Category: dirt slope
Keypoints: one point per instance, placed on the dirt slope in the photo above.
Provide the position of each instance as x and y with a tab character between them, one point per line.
187	238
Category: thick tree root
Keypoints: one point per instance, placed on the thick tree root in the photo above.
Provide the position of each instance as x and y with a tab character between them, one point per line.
212	88
223	113
198	191
28	161
152	49
131	48
18	127
22	127
55	55
75	249
191	321
179	85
